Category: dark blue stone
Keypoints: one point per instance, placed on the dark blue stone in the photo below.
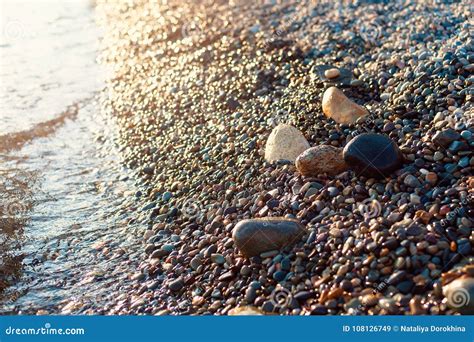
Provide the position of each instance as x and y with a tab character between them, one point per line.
279	275
457	146
405	286
464	249
450	167
373	155
446	137
286	264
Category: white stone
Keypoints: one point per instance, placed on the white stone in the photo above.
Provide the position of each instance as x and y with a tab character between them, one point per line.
332	73
285	142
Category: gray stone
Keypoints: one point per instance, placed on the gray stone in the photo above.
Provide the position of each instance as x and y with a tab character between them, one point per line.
217	259
176	284
412	181
255	236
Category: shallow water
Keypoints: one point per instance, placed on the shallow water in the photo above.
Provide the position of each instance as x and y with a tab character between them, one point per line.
64	217
47	60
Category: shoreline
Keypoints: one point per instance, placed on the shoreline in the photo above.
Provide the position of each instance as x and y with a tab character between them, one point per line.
287	158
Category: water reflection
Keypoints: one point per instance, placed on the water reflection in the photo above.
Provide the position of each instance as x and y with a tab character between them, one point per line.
47	60
48	163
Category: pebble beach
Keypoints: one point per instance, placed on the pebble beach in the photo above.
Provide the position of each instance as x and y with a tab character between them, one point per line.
292	157
215	106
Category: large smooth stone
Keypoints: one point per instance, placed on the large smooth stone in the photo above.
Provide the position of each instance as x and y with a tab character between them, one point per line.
321	159
340	108
285	142
372	155
460	295
255	236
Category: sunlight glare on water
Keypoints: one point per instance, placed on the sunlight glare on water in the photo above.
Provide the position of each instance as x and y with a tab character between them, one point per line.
47	59
62	193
